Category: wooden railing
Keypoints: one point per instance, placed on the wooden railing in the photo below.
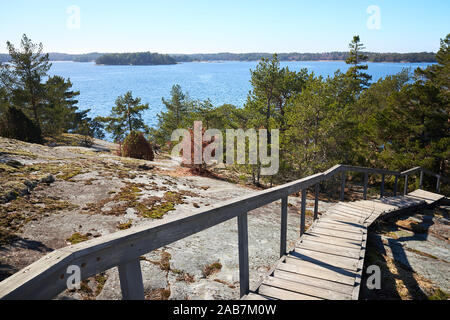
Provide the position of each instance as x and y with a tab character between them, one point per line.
47	277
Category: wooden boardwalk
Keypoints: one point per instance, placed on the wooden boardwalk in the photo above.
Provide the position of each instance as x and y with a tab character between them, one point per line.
327	263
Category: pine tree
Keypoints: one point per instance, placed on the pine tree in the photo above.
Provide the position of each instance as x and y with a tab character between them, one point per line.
177	115
126	116
356	58
22	76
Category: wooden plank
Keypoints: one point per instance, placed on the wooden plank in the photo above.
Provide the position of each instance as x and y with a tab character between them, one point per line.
283	229
344	215
349	211
341	221
131	282
366	178
343	175
335	226
281	294
309	269
305	289
405	190
349	215
316	200
303	213
355	208
244	279
324	258
338	234
395	186
317	282
332	240
371	205
330	248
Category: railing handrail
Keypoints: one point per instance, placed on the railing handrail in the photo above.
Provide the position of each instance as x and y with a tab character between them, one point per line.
47	277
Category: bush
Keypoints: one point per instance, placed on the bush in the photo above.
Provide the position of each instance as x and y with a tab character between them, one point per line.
136	146
15	124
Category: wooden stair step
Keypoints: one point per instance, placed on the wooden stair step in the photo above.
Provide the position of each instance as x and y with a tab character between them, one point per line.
281	294
305	289
308	280
325	258
331	248
309	269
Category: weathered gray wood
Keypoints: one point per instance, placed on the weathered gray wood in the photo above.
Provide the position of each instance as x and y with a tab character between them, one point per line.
303	213
323	259
284	206
405	190
411	171
331	249
305	289
337	234
421	180
316	201
382	186
438	184
313	281
395	186
244	278
131	280
278	293
329	239
366	181
326	272
369	170
343	174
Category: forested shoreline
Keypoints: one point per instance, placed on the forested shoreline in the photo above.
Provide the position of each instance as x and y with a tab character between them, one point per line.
414	57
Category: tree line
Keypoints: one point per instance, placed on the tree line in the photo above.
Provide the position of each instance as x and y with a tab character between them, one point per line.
412	57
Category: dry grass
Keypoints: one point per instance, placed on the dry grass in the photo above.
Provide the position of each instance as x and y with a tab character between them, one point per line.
212	269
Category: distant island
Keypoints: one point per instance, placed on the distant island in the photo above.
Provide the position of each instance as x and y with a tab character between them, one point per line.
147	58
135	59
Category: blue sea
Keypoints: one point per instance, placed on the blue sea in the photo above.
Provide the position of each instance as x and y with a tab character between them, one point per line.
221	82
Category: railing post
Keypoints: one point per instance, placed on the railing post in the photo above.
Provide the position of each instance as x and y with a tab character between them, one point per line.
244	282
405	190
438	183
395	186
342	185
382	186
131	283
316	201
421	179
284	206
366	181
303	213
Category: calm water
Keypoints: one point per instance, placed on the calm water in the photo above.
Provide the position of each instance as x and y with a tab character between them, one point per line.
222	82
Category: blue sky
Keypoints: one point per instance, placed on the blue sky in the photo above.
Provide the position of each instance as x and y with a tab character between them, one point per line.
198	26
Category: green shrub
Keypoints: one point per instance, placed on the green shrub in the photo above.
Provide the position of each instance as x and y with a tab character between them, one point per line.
15	124
136	146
